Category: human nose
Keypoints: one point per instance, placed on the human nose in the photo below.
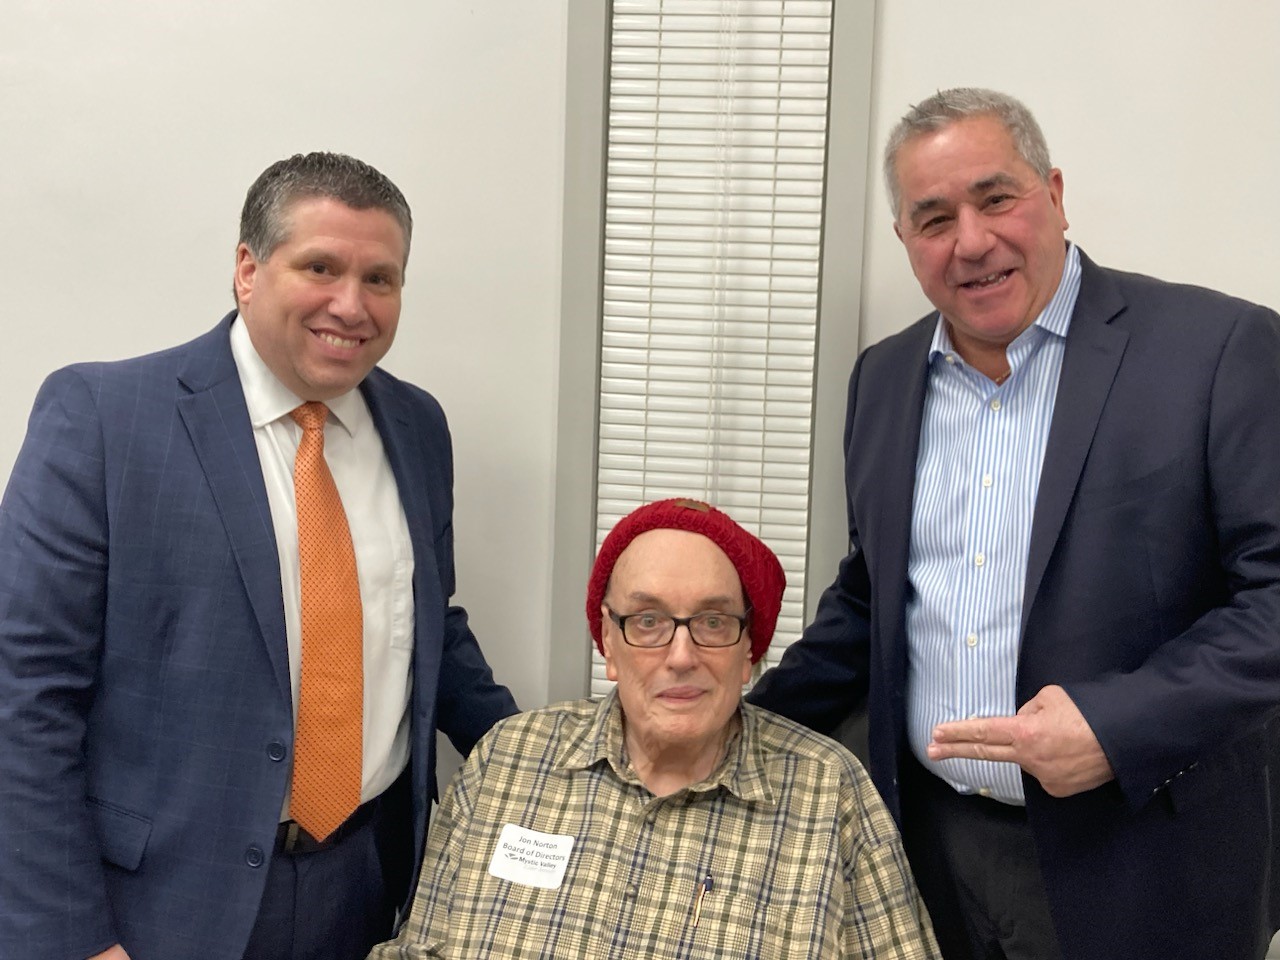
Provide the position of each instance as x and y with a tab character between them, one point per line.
347	302
973	237
682	653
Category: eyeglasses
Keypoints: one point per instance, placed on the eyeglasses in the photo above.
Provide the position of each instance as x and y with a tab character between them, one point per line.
657	630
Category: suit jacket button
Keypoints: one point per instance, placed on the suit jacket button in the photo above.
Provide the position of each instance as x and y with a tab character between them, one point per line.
253	856
275	750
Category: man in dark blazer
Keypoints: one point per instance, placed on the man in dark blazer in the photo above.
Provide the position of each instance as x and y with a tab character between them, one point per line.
1062	598
149	612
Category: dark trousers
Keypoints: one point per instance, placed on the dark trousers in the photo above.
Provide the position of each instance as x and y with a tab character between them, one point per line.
974	860
336	903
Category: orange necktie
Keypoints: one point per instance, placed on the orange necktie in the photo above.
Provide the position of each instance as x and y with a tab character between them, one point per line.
327	749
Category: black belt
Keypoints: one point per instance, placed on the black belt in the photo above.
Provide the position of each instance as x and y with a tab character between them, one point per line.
293	841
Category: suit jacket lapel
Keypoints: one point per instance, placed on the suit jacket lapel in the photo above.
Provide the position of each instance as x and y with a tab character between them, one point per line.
393	422
391	416
897	469
212	406
1092	357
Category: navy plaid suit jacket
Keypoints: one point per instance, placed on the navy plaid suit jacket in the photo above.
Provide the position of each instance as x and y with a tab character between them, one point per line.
144	686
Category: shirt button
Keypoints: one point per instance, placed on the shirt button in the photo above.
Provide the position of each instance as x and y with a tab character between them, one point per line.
986	479
995	404
971	640
275	750
979	559
984	791
951	358
253	856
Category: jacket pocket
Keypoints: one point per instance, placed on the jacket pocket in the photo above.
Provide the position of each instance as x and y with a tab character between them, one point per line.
122	835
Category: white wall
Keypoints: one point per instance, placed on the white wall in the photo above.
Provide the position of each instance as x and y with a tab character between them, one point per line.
1164	116
130	131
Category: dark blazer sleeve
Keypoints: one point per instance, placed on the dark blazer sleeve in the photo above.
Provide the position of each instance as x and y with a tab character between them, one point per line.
53	580
823	676
471	701
1216	592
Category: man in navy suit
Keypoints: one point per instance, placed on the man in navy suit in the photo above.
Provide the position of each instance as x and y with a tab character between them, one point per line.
1062	597
150	607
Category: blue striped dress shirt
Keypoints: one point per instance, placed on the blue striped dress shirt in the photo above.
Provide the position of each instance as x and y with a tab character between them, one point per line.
977	472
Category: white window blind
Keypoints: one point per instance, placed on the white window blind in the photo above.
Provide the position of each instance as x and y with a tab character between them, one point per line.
713	215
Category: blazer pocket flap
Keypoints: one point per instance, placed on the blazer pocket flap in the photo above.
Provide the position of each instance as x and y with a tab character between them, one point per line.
122	835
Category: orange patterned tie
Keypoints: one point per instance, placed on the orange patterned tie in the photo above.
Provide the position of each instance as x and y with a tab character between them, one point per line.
327	749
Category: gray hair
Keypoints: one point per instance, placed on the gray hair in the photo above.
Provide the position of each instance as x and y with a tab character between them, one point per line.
264	221
959	103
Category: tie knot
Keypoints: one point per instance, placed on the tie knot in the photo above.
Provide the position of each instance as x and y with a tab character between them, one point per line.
310	416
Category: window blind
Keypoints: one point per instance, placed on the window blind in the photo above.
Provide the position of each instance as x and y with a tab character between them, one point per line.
716	150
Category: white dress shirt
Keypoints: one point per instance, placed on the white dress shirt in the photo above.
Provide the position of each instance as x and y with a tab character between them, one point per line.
379	536
977	475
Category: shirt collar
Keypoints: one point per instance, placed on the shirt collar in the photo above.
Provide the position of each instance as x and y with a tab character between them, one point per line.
1055	318
268	399
743	772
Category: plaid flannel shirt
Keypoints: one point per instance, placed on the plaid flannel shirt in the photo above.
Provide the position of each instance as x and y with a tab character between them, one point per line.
804	858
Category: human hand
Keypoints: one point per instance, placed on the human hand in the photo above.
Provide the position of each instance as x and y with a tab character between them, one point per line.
111	953
1049	738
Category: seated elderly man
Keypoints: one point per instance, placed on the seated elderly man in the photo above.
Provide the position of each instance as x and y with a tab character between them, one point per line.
669	819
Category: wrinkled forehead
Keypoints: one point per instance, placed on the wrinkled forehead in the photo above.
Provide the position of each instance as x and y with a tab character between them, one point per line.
681	562
302	208
964	161
984	138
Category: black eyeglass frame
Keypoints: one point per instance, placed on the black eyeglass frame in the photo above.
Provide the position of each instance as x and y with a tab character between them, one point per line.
676	624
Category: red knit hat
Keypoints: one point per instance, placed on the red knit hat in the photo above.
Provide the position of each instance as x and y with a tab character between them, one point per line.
758	569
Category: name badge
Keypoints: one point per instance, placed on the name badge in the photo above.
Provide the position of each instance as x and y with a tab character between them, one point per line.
531	858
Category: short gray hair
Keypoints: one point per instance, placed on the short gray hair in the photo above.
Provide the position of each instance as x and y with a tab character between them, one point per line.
959	103
264	221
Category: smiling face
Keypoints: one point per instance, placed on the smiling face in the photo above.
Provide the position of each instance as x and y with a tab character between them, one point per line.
680	697
323	308
984	233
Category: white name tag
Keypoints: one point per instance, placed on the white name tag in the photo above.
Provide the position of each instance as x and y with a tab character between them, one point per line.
531	858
